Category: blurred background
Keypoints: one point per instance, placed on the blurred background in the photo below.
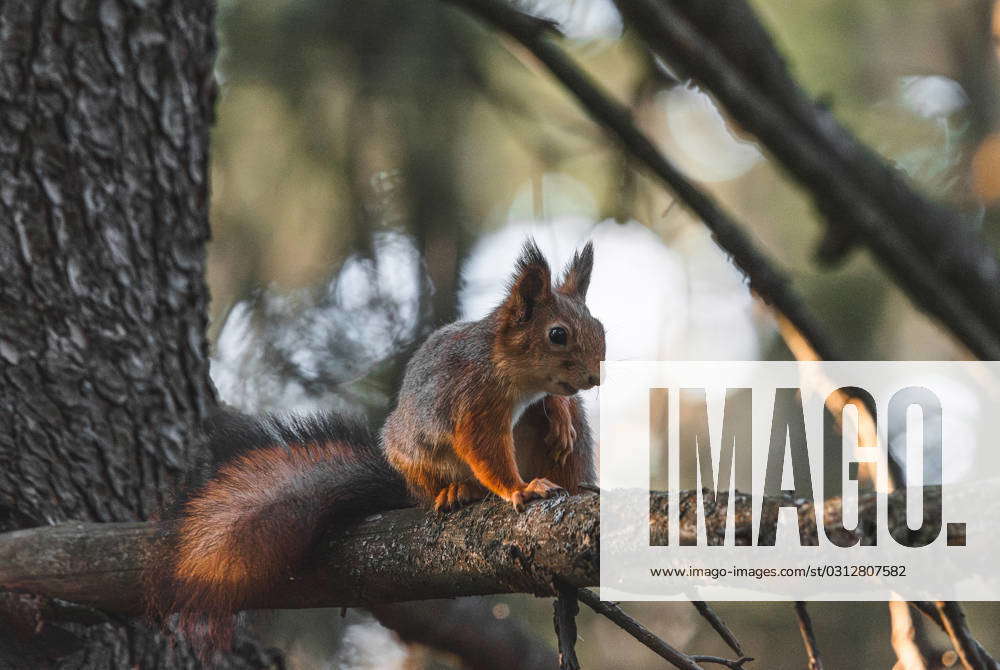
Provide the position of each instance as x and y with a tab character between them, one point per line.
377	165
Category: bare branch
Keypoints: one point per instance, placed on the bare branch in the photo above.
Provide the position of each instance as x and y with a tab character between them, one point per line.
942	264
802	350
808	636
678	658
397	556
931	611
734	664
716	622
565	608
953	622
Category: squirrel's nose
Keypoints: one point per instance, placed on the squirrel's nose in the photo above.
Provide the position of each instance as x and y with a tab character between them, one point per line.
594	380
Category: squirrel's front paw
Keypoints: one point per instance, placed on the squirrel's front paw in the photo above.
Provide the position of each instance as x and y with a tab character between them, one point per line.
562	434
535	489
562	437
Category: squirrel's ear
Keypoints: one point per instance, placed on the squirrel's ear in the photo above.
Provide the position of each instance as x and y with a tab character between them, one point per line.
530	284
576	278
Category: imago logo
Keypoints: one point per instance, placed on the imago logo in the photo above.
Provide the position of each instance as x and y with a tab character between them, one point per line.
750	480
788	443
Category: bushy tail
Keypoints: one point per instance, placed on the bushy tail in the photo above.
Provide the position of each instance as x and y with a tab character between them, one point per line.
276	486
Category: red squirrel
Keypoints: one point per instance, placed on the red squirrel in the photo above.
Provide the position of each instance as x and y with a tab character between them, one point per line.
486	406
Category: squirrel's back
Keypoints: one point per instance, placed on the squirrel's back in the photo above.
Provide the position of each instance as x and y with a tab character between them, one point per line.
451	365
453	356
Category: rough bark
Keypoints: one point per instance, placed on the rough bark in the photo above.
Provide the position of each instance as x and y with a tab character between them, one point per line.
105	108
394	557
398	556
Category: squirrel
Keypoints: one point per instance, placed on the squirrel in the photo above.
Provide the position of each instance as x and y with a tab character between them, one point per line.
486	406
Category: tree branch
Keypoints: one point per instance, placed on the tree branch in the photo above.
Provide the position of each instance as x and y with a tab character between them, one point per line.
565	608
720	627
942	264
396	556
675	657
615	613
904	637
953	621
402	556
931	611
808	636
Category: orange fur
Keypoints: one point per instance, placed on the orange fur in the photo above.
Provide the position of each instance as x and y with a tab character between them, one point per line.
208	551
535	454
561	433
235	542
256	519
484	441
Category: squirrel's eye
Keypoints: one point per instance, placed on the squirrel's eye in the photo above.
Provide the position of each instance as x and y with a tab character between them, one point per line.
557	335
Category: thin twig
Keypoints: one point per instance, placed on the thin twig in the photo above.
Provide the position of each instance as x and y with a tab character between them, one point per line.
716	622
565	608
735	664
678	658
808	636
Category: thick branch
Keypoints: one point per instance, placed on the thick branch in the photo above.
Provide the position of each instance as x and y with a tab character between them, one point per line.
942	265
392	557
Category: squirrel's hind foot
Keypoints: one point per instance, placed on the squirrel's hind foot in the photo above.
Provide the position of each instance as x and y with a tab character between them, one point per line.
457	494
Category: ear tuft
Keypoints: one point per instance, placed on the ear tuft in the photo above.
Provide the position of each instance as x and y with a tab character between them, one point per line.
530	256
530	284
576	278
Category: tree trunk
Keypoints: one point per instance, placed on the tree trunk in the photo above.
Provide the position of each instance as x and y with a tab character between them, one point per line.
106	108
